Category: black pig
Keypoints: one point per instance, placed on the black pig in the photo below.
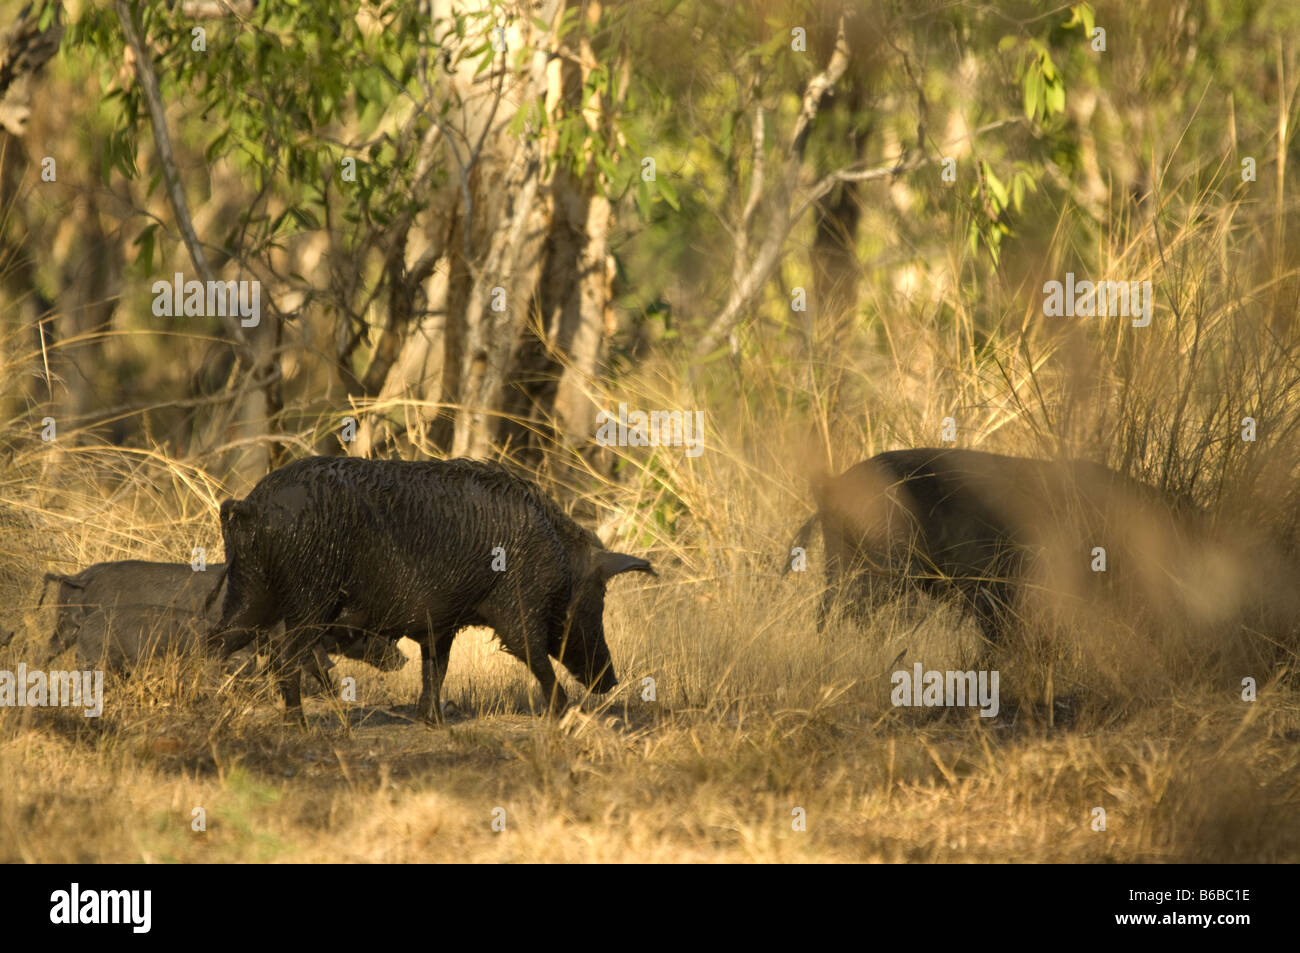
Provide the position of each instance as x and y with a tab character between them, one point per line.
417	549
975	525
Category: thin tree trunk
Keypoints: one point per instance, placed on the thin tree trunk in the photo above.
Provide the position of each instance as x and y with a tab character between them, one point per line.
251	454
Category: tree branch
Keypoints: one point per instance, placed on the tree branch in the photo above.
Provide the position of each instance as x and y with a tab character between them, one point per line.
769	255
148	80
746	284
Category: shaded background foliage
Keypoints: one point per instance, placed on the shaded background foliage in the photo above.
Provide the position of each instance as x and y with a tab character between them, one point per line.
499	152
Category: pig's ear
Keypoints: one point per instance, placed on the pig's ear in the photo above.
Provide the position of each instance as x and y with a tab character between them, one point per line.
609	565
232	509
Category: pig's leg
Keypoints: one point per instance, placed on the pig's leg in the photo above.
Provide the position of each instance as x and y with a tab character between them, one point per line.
288	653
841	564
320	666
993	598
288	675
538	660
554	692
990	605
291	692
830	596
305	626
523	630
435	651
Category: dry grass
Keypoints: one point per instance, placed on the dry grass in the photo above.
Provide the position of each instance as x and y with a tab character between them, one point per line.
754	716
751	722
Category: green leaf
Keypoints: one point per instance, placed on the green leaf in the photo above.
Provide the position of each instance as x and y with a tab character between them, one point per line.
1047	66
728	127
643	199
606	167
145	241
304	217
998	190
714	355
669	193
1033	92
1084	12
1055	98
217	147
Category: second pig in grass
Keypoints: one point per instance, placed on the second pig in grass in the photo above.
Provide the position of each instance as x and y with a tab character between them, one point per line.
123	613
419	549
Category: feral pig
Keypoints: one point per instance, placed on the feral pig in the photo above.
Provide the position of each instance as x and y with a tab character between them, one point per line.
123	637
102	590
419	549
122	613
978	526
